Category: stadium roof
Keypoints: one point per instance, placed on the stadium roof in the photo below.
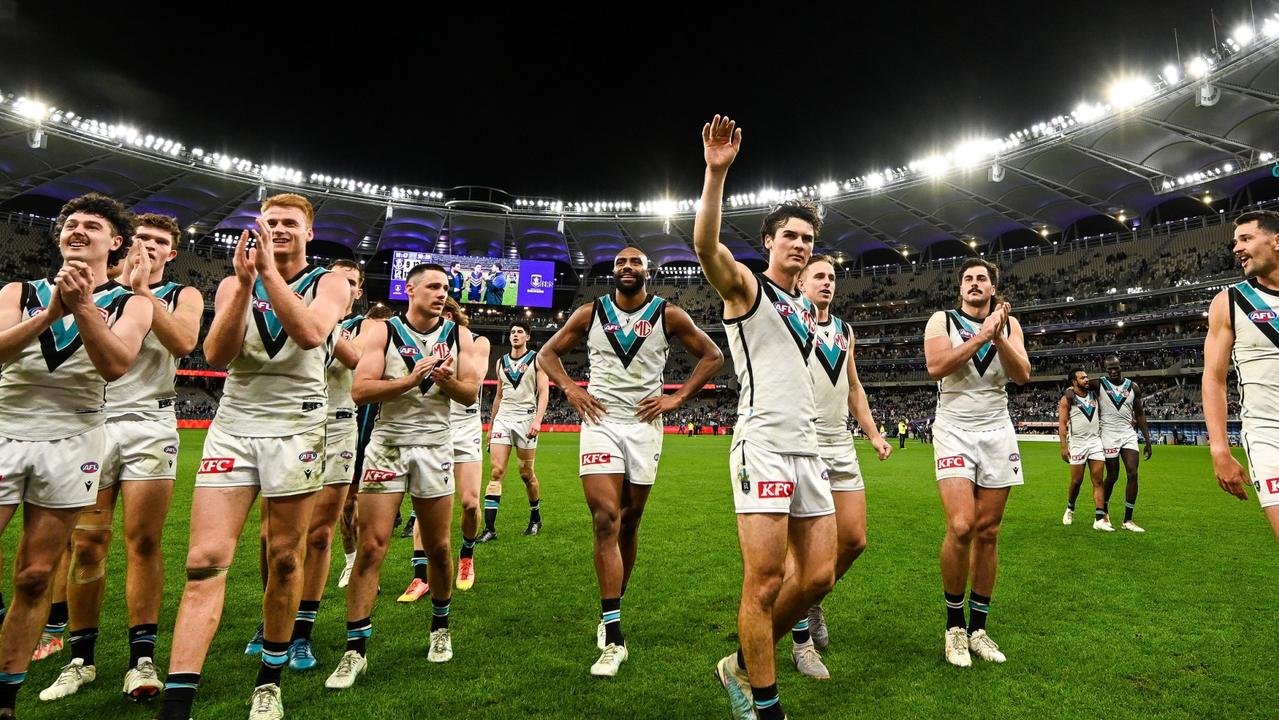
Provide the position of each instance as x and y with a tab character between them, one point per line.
1112	163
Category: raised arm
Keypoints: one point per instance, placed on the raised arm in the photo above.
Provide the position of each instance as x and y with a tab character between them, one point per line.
941	357
231	308
1012	350
367	384
17	332
721	140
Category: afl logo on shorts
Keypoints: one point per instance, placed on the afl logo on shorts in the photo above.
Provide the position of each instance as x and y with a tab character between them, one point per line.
954	461
1262	315
643	328
347	455
597	458
776	489
446	466
308	456
216	465
784	308
1015	457
611	327
262	305
89	467
170	449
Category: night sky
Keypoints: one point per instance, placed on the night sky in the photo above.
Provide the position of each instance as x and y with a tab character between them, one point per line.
589	106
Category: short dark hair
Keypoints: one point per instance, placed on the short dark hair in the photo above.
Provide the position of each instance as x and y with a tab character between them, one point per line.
1267	220
424	267
991	268
802	209
1070	377
108	209
349	265
522	324
163	222
380	312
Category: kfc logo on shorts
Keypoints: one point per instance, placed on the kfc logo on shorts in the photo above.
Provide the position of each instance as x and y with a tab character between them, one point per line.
1080	456
954	461
89	467
597	458
784	308
1262	315
611	328
408	351
216	465
170	449
776	489
441	350
377	476
1015	457
1272	485
643	328
308	456
496	435
261	305
347	455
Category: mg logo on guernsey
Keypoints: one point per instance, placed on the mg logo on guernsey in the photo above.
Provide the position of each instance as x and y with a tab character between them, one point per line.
1262	315
841	342
216	465
954	461
809	323
776	489
441	350
643	328
106	314
378	476
597	458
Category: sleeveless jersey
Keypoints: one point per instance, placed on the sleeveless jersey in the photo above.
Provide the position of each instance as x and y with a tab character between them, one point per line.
771	345
273	387
974	395
829	371
459	413
147	390
1117	406
1254	315
421	415
519	385
627	353
341	414
1083	423
52	390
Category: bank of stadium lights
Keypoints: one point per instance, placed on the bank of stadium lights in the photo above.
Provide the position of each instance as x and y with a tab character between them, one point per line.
1202	176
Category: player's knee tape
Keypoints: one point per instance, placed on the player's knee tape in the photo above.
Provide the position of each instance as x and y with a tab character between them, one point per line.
206	573
86	574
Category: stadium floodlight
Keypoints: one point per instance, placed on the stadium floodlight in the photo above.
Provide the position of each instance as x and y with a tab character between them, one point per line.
1243	35
1207	199
1197	67
1171	74
972	153
1129	91
1270	28
1087	112
31	109
829	188
1122	217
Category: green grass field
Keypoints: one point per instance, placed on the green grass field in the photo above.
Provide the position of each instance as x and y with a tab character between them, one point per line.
1177	623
